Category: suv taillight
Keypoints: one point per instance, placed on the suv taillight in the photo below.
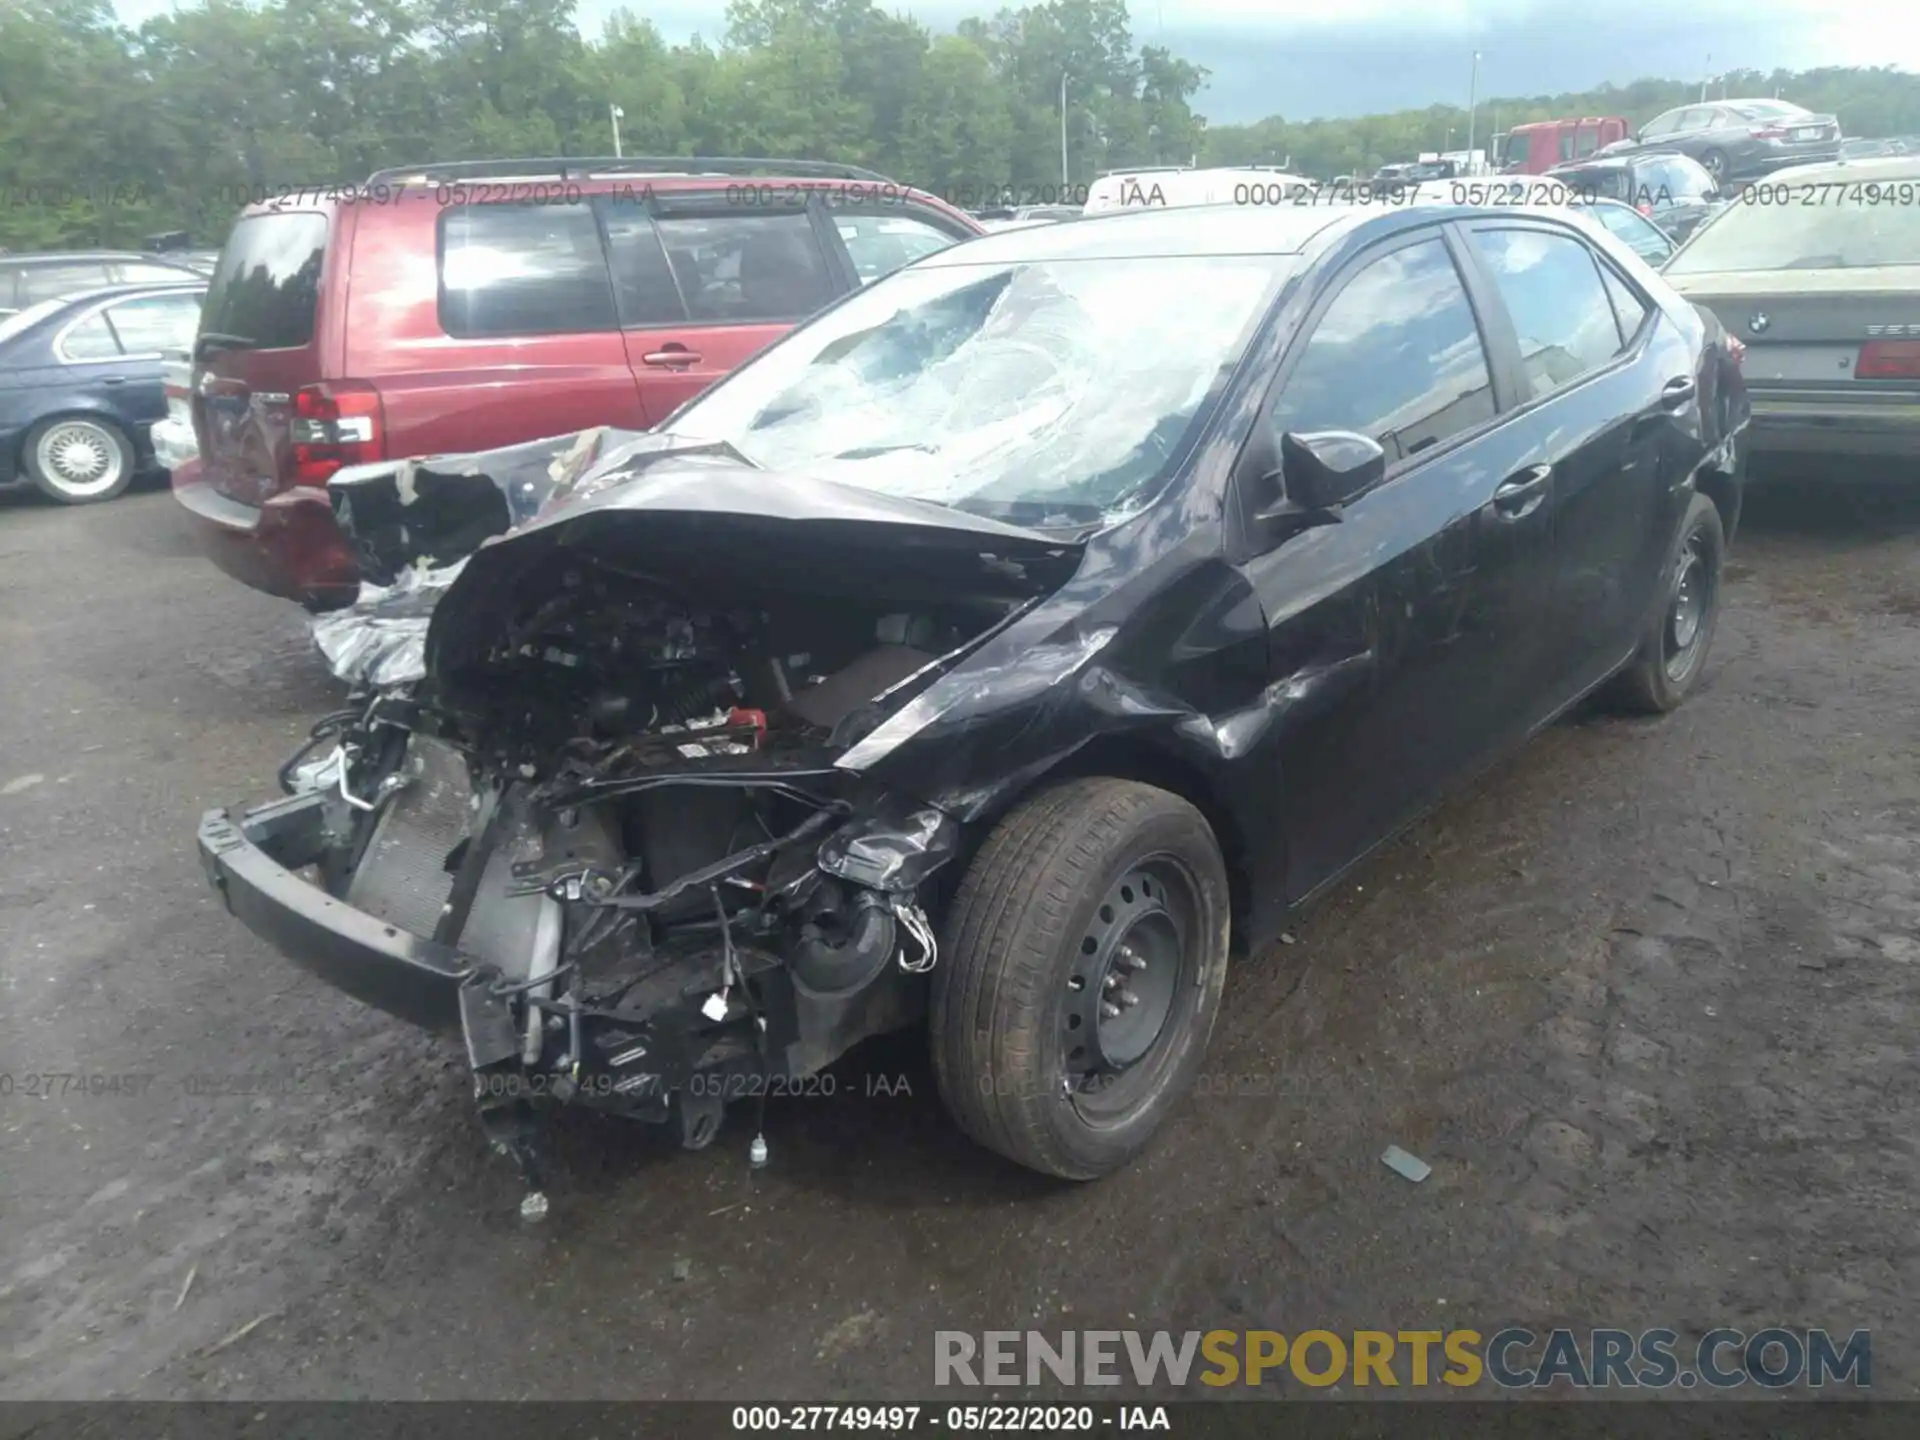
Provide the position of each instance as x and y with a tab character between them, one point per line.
336	423
1888	360
1737	351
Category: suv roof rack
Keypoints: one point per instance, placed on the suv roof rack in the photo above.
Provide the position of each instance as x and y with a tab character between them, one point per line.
576	167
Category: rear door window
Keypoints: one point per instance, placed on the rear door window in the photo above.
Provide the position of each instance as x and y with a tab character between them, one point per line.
1397	356
882	238
267	285
1561	313
736	265
155	323
644	287
91	339
523	270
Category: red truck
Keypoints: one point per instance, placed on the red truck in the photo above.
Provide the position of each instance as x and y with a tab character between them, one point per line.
1539	145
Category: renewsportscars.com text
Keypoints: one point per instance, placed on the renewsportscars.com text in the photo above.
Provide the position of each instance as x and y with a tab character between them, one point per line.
1512	1358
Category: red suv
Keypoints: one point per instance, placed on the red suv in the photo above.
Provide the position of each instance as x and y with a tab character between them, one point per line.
466	306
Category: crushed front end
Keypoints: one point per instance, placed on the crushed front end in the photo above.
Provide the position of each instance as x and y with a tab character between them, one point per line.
606	836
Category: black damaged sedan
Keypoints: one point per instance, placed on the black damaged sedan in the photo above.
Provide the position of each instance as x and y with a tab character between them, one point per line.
990	655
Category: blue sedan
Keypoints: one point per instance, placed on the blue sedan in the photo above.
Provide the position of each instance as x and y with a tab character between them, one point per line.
80	386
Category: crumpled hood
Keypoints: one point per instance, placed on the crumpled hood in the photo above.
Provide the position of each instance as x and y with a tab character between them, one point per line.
667	475
455	533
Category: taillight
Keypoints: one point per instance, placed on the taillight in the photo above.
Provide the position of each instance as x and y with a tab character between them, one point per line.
1737	351
1888	360
1769	132
1645	207
335	424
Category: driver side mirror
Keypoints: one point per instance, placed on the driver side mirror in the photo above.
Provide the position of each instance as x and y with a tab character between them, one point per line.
1324	469
1319	472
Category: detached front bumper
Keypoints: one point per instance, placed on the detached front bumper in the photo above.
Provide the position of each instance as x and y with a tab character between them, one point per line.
251	861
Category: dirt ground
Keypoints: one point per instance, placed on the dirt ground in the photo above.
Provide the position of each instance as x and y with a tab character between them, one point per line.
1644	998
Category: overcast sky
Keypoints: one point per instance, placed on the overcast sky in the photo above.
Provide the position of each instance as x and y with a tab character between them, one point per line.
1307	58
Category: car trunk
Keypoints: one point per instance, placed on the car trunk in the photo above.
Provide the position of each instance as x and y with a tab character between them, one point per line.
257	350
1809	334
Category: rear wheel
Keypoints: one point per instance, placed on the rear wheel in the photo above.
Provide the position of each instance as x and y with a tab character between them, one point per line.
79	460
1674	651
1086	952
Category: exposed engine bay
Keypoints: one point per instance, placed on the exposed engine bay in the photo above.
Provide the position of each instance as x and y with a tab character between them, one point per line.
623	806
605	799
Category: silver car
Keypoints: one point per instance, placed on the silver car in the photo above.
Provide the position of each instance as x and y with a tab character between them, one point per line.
1817	272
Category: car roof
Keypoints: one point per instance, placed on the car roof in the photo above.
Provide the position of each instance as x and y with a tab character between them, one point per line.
1153	233
1207	230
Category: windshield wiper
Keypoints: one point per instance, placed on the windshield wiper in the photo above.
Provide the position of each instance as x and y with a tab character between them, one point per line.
211	340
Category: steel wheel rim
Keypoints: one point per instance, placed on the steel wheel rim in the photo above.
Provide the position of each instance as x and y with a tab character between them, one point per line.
79	458
1687	607
1133	969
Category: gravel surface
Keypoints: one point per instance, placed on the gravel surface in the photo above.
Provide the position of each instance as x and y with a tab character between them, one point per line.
1643	998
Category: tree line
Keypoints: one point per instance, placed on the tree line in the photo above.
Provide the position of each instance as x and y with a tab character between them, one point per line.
110	133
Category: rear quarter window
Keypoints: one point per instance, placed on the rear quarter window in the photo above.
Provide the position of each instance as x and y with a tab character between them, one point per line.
266	287
737	266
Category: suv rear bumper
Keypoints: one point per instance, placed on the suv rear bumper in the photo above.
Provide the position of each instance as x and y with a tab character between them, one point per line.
290	546
251	861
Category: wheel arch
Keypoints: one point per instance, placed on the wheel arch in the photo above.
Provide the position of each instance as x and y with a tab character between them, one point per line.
1139	757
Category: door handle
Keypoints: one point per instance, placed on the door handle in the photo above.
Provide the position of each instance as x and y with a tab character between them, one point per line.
113	379
670	359
1677	392
1522	493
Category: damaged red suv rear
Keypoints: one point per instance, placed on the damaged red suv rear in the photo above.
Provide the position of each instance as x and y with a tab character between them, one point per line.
974	656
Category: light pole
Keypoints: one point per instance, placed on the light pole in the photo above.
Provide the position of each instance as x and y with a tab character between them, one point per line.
614	113
1473	95
1706	78
1065	184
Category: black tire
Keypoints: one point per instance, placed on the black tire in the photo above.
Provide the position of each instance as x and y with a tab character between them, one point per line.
1041	907
1715	163
1654	682
69	483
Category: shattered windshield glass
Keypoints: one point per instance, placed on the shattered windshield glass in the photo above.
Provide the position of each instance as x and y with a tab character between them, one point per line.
1048	393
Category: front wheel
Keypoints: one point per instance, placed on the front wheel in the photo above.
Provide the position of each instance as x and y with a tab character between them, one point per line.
79	460
1674	651
1715	162
1086	951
